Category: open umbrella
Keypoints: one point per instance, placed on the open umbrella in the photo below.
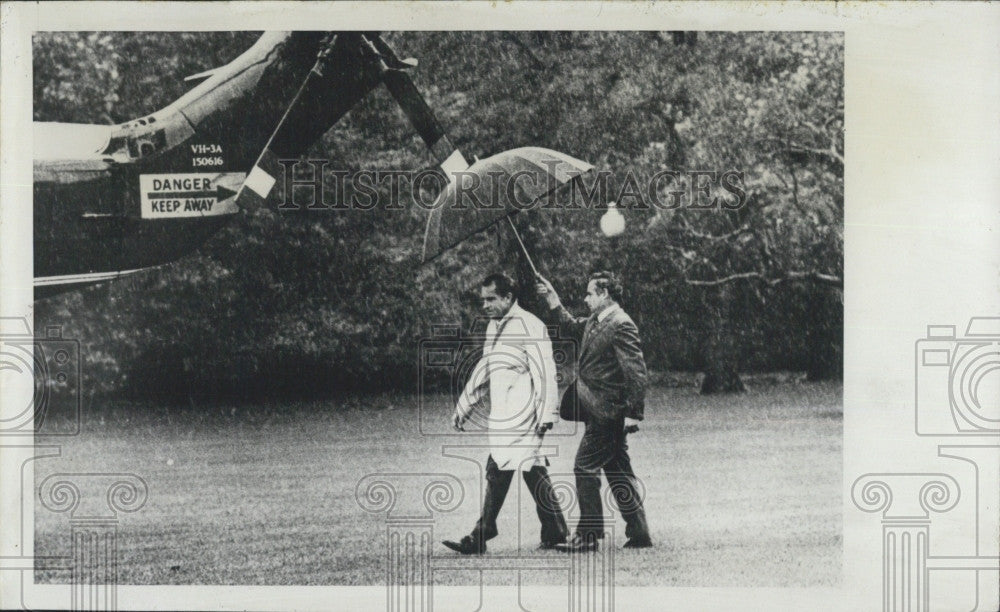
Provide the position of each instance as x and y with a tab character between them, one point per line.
493	189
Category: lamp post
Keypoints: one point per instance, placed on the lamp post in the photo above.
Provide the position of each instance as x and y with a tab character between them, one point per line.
612	225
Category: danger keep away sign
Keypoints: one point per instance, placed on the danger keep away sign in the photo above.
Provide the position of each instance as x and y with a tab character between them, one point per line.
189	195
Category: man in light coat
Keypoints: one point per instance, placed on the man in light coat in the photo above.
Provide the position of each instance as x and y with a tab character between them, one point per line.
516	378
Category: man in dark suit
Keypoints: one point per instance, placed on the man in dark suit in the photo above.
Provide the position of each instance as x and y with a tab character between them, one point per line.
608	395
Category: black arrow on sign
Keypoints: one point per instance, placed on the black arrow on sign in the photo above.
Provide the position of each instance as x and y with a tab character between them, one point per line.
220	193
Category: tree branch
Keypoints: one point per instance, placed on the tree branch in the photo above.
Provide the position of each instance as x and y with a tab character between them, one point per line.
512	37
830	156
713	237
816	277
725	279
830	153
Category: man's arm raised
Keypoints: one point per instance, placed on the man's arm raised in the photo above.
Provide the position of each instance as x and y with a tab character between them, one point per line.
571	325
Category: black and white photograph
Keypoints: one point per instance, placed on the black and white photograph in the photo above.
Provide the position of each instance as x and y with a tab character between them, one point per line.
483	317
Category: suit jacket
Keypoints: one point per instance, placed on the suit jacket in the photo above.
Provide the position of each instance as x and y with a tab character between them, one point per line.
611	374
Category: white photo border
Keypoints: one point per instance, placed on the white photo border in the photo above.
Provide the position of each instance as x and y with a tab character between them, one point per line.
922	184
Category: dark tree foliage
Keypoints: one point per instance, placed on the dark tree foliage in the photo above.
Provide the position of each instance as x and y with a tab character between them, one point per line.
319	302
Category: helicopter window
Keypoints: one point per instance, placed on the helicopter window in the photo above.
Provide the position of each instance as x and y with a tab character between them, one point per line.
147	143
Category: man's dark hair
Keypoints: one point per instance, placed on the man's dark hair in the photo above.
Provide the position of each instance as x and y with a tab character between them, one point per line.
503	284
608	281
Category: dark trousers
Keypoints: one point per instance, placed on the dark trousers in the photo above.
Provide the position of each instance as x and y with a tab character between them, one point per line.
498	483
603	447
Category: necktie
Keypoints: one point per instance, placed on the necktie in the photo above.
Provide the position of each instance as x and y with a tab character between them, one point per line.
588	331
500	327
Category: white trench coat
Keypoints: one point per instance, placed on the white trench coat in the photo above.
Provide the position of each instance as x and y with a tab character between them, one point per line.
515	380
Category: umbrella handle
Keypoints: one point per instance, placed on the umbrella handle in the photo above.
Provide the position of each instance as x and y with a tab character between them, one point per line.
520	242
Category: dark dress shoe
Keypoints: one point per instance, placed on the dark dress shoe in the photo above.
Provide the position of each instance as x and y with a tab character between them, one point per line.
468	546
551	545
579	543
638	543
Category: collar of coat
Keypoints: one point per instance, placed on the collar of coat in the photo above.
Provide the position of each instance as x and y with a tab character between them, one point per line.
498	326
515	310
607	312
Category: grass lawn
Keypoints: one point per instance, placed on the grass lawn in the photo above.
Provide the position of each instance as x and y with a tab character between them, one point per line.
741	490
